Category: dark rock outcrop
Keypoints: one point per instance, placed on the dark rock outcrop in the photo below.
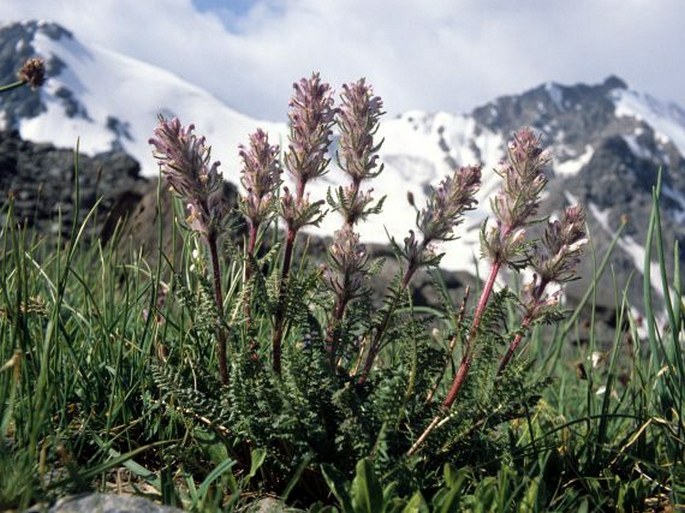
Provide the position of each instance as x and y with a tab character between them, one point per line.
138	212
41	182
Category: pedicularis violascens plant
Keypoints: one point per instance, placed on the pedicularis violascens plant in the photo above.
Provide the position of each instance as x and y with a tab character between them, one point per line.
184	161
261	178
347	272
347	380
311	119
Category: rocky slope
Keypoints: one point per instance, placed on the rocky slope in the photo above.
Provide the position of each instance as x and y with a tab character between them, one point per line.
41	182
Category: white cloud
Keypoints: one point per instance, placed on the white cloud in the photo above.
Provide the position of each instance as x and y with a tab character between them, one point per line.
440	55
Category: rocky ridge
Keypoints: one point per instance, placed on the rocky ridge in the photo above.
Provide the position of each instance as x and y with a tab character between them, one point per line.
41	182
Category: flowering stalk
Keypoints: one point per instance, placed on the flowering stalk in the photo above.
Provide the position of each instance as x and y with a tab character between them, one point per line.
311	118
554	261
443	213
261	180
358	120
345	276
504	242
184	161
32	73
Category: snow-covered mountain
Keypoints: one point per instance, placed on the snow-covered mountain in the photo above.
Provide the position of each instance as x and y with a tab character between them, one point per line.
106	99
609	142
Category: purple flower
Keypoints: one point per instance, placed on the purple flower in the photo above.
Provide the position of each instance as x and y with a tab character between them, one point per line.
346	272
311	118
447	204
260	178
184	160
444	211
561	246
358	119
516	204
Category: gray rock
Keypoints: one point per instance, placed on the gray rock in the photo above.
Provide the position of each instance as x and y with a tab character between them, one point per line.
105	503
268	505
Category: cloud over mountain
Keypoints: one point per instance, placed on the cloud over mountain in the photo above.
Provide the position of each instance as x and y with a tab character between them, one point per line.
442	55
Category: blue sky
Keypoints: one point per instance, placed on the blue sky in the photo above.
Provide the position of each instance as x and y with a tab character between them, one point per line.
235	6
450	55
230	11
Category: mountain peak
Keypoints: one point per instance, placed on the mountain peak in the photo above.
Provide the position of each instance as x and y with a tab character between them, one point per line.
13	32
614	82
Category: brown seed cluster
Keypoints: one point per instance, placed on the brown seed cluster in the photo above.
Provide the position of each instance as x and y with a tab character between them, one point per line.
33	72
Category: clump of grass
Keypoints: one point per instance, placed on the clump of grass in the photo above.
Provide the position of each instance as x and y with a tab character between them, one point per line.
238	371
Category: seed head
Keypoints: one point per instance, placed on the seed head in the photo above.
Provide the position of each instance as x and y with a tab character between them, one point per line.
33	72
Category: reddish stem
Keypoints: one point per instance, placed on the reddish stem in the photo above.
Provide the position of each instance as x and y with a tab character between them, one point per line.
252	239
527	320
247	308
218	298
465	364
338	313
513	345
466	359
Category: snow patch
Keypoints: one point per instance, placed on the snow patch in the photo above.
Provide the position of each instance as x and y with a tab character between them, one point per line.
633	249
667	119
555	94
572	167
636	148
679	198
106	84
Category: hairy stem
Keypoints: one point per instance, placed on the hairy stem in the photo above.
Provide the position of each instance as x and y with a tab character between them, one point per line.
527	320
219	300
279	320
513	345
247	306
452	344
467	357
338	313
